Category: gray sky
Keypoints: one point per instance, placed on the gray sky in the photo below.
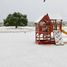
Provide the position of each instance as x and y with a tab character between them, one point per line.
33	8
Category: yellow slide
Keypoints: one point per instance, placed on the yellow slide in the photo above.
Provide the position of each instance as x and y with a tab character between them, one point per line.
64	31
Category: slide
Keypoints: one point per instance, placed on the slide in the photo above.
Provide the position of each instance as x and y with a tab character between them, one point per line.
65	32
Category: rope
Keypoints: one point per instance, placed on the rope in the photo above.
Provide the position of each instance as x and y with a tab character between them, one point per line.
58	37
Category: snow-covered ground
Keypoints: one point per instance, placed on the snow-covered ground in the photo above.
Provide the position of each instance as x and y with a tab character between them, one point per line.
18	49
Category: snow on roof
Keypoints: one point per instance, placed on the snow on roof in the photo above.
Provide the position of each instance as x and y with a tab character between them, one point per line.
52	16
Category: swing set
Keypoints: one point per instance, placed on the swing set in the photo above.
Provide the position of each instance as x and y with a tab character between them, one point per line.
48	31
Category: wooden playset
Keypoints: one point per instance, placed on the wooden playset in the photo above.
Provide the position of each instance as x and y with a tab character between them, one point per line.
48	31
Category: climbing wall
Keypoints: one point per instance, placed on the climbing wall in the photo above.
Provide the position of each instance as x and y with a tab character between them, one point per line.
58	37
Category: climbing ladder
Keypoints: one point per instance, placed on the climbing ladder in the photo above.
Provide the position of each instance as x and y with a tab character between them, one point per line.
58	37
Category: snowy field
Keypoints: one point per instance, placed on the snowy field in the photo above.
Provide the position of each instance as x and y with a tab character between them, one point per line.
18	49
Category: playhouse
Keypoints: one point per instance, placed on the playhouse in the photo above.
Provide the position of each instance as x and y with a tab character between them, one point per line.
48	30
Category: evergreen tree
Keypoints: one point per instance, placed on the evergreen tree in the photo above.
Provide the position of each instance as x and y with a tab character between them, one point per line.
16	19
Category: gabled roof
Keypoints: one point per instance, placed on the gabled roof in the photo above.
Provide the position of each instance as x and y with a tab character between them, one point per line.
43	18
48	17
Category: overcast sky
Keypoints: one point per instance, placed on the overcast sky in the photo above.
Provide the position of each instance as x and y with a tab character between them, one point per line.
34	8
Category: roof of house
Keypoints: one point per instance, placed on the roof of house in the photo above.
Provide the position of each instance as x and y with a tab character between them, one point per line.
51	16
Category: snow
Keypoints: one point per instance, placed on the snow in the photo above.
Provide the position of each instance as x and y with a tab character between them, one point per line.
18	49
52	16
